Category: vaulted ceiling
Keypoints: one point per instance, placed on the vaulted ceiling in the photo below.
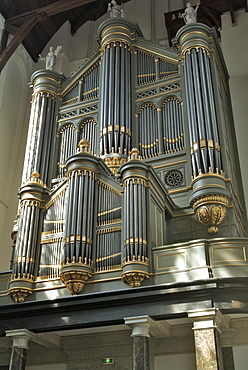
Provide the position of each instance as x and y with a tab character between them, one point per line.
34	22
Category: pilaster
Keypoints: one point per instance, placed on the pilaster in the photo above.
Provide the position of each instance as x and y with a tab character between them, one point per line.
206	327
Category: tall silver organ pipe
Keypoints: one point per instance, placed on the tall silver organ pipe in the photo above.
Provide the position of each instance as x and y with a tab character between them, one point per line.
91	83
135	238
146	67
68	138
204	137
108	252
115	99
173	136
88	131
26	255
41	134
79	216
52	242
42	127
148	130
167	69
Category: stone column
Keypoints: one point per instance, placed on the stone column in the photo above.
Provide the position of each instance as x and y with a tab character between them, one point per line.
206	334
140	334
19	347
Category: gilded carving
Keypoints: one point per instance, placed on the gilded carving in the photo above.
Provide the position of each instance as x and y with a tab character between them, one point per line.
139	259
83	146
19	294
114	163
74	280
211	210
134	278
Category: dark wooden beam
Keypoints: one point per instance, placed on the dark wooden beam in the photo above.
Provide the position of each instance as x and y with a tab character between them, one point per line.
29	19
84	17
4	40
11	29
23	31
52	9
212	14
230	3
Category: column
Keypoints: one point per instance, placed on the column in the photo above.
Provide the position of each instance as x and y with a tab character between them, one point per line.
19	347
140	332
42	124
32	194
135	260
77	265
206	334
21	338
199	52
116	37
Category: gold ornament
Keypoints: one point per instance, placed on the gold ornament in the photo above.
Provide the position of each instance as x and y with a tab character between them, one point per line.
83	146
114	163
19	294
74	280
135	278
211	210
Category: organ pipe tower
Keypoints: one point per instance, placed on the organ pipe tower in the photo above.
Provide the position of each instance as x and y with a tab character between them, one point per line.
130	165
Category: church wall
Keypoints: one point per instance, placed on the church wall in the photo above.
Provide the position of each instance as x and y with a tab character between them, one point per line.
234	43
14	113
240	357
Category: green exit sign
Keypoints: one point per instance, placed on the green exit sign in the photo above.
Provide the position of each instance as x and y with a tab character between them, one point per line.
107	361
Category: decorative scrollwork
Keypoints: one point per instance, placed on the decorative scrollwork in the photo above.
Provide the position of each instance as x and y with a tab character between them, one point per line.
19	294
135	278
211	211
74	280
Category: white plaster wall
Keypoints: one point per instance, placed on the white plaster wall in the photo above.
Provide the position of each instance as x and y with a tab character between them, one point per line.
184	361
235	49
240	355
14	115
48	367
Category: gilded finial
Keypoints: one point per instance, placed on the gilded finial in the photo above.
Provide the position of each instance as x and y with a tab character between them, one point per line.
134	154
83	146
35	174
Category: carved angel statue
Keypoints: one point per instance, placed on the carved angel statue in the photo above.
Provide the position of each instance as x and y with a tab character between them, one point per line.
115	10
50	59
190	14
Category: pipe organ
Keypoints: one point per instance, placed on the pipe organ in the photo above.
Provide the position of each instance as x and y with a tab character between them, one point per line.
126	159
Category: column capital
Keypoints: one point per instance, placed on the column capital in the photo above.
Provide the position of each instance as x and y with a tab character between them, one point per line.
207	319
20	337
140	325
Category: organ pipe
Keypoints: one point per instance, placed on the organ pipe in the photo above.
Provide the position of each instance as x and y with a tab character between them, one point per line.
202	113
135	252
115	99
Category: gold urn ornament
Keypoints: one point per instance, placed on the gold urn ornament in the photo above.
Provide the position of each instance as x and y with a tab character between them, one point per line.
211	211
